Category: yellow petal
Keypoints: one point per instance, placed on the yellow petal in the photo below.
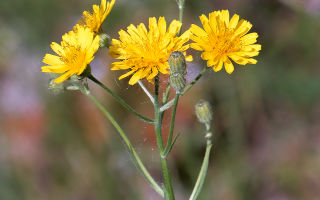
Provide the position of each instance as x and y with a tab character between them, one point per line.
198	31
126	74
228	66
225	16
163	68
153	74
54	69
196	46
162	26
174	27
52	60
63	77
234	21
137	76
218	67
189	58
57	49
250	38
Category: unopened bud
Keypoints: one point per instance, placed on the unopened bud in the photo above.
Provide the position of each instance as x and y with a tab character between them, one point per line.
178	82
203	112
177	62
104	40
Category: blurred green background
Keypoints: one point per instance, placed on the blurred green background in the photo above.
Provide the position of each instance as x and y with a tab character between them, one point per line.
266	116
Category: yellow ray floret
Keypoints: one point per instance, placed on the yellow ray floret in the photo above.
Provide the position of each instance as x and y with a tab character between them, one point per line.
76	51
95	20
145	53
223	39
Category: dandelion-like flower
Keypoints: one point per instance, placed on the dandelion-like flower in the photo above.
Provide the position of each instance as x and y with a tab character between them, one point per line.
76	51
95	20
223	39
145	53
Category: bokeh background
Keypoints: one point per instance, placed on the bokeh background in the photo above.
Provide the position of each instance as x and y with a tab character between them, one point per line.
58	146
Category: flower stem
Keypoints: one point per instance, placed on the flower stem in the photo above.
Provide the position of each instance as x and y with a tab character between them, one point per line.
146	91
181	8
126	140
163	159
121	101
203	172
173	116
186	89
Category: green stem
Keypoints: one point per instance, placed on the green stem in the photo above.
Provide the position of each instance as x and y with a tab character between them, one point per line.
146	91
203	172
121	101
143	169
163	159
181	8
165	98
186	89
173	116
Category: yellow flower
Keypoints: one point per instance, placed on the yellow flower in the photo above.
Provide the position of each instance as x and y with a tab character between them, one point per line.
76	51
145	53
95	20
223	39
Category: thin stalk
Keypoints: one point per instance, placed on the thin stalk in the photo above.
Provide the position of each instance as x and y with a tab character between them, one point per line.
146	91
173	117
186	89
121	101
126	140
203	172
165	98
181	8
163	159
166	94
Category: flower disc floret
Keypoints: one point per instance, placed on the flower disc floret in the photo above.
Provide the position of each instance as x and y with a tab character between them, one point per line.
76	51
223	39
145	53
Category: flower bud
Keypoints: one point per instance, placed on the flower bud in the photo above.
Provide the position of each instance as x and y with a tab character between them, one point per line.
203	112
104	40
178	82
177	62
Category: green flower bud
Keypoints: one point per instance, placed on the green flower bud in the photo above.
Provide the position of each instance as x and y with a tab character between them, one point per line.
203	112
104	40
177	62
178	82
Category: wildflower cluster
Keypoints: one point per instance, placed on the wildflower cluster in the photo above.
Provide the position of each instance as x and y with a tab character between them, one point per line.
144	53
78	46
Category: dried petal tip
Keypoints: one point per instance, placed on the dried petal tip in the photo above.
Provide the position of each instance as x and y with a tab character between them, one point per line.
177	62
178	82
104	40
203	112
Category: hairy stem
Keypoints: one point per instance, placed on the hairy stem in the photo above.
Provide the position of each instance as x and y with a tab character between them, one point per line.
120	100
173	117
158	123
126	140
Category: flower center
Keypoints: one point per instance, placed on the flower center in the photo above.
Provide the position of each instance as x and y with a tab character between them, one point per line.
225	43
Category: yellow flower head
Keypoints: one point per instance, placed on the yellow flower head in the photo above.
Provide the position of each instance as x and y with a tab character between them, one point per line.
95	20
145	53
223	39
76	51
